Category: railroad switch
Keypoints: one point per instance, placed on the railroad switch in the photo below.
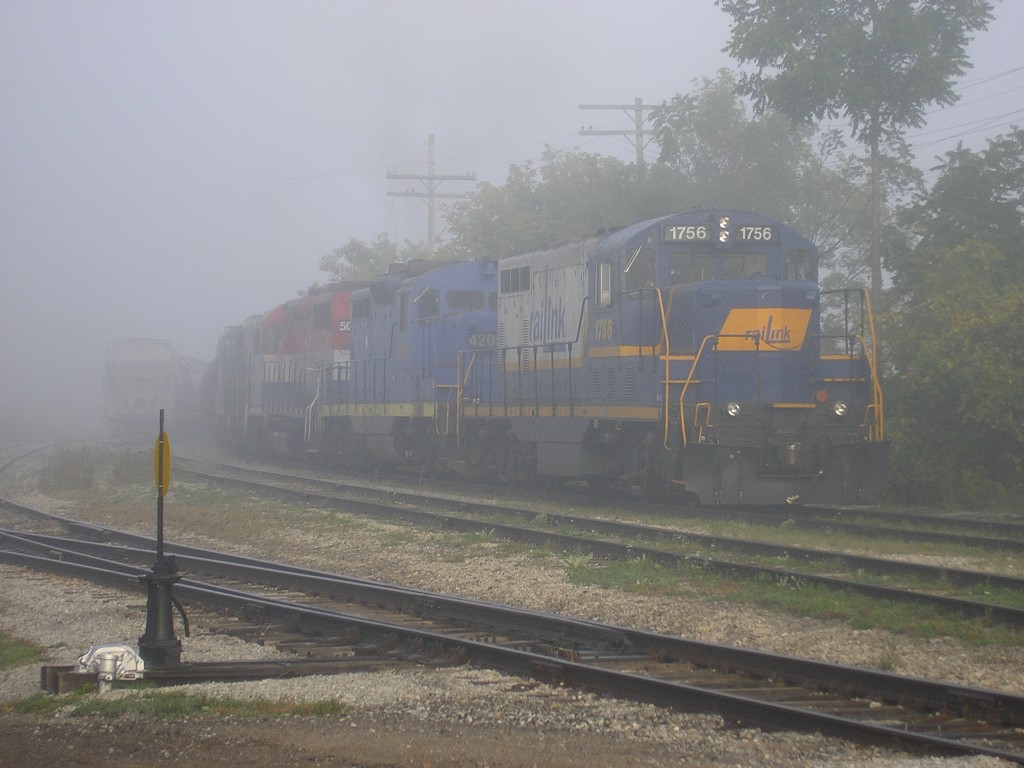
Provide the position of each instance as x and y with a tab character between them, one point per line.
159	647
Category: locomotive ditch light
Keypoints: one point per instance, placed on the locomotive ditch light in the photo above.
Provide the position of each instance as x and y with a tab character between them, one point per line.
733	409
791	454
839	408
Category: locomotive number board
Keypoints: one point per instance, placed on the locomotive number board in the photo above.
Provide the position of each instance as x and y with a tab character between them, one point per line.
701	233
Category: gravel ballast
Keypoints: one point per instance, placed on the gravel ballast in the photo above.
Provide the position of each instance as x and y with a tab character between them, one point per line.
497	720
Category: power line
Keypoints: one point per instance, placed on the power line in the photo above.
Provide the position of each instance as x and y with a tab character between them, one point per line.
431	181
635	136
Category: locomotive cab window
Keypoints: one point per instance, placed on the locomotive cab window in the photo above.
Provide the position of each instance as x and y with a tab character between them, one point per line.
799	264
604	284
465	299
691	267
744	266
639	272
428	304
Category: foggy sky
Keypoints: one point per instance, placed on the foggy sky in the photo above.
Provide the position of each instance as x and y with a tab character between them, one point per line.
169	169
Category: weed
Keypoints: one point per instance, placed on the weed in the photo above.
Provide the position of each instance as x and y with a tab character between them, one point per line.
578	564
889	661
69	469
15	652
485	536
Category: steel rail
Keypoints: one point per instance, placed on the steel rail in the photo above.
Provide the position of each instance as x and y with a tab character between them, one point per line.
733	707
1013	617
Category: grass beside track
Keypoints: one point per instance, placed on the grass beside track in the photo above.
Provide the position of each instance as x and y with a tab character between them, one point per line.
790	597
167	705
15	652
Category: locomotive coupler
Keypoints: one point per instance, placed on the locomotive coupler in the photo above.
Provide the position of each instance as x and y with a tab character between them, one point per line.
160	647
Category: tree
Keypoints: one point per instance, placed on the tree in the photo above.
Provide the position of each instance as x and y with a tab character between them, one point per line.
957	418
713	153
729	157
359	260
876	63
568	196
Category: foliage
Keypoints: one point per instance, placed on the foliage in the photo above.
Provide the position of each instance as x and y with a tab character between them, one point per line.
170	705
712	153
15	652
761	162
876	63
956	415
69	469
570	195
727	158
359	260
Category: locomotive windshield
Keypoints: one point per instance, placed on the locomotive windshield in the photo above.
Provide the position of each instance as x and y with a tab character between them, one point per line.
640	271
691	267
695	267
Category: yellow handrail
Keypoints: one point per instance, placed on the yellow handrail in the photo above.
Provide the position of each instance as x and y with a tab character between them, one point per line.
689	379
876	430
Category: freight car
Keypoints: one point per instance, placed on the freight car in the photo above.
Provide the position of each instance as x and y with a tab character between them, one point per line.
693	353
143	376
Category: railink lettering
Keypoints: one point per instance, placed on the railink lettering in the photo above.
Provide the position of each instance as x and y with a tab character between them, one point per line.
547	323
770	334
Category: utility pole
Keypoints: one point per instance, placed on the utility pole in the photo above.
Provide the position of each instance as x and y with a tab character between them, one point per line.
636	136
431	181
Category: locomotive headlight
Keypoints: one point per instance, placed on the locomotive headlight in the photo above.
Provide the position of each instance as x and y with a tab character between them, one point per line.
723	229
733	409
839	408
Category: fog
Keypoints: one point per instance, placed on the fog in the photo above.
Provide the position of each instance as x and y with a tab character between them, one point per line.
169	169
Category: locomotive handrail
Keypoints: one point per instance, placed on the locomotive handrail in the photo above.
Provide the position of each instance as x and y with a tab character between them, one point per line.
457	388
690	380
870	350
869	346
706	407
307	430
876	430
668	365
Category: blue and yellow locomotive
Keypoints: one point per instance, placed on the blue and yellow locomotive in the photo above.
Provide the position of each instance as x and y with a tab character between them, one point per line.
685	352
691	353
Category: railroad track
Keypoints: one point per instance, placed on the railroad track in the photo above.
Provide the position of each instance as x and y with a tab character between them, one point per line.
329	615
749	687
624	541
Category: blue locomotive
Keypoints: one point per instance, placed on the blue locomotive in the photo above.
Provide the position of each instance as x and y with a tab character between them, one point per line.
692	353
